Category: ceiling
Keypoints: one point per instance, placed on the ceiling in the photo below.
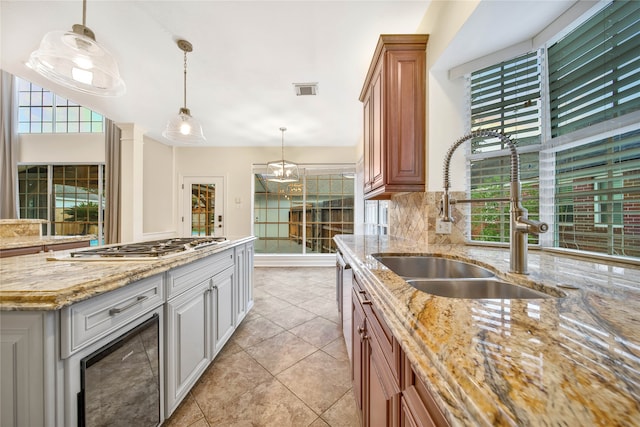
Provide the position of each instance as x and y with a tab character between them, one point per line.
246	57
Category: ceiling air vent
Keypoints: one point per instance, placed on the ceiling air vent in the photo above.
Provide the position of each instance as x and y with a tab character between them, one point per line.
306	88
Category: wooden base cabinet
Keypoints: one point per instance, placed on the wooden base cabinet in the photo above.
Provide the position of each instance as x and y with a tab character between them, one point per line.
387	390
418	407
376	388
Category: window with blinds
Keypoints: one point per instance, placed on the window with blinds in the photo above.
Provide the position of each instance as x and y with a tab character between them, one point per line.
597	196
594	71
504	98
593	184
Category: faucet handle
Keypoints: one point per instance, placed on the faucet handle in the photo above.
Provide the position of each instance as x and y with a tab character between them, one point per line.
527	225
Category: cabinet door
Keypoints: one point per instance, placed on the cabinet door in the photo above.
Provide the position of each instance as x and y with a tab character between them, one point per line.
187	341
378	147
413	412
223	312
368	154
241	287
383	393
248	278
358	362
22	361
418	406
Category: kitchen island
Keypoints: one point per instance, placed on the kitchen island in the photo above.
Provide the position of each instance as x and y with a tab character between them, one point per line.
57	312
571	359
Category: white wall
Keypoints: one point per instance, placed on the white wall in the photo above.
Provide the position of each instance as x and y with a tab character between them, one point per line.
445	97
160	189
61	148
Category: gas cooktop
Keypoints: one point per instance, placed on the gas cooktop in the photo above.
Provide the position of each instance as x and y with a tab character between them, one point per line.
149	250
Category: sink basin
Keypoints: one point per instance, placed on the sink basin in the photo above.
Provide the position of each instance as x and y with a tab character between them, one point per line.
431	267
475	289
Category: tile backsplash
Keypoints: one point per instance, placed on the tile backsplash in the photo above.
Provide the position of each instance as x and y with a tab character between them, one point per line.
413	216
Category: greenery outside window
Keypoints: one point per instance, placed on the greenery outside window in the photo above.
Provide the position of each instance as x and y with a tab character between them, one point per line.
70	197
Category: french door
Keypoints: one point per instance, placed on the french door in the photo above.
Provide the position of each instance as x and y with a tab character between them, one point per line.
203	206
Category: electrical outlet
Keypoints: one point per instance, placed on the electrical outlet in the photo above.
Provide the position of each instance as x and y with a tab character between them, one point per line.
443	227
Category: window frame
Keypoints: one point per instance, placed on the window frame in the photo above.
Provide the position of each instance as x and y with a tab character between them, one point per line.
551	145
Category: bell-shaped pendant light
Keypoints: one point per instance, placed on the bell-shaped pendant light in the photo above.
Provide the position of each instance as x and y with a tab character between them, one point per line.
74	59
282	170
183	127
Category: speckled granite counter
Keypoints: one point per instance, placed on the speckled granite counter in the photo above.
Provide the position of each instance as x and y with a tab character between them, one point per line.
29	241
570	361
32	282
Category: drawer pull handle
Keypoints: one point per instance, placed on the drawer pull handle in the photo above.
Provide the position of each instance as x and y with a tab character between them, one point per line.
367	302
118	310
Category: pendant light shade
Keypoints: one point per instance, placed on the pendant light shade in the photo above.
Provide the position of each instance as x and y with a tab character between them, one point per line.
282	170
184	128
74	59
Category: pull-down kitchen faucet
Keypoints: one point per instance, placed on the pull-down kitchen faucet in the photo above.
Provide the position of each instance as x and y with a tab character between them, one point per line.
521	225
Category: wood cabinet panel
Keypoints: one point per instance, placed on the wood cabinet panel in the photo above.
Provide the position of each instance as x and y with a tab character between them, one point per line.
376	387
358	373
394	106
418	407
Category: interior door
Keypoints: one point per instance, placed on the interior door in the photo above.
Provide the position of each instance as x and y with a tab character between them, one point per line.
203	206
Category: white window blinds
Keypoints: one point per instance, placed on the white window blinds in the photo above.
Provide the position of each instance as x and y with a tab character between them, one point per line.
506	98
594	71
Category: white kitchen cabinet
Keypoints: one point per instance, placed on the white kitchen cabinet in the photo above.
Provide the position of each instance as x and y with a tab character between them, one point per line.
25	355
244	274
188	332
223	315
199	305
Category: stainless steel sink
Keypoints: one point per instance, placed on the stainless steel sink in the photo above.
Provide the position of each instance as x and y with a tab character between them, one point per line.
453	278
475	289
431	267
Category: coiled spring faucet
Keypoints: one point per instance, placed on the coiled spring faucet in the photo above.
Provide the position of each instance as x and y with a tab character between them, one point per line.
520	224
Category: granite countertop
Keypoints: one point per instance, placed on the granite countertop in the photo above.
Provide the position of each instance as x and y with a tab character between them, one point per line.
29	241
570	360
36	282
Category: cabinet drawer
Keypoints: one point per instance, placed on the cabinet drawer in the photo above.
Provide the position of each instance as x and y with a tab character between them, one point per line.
182	278
86	322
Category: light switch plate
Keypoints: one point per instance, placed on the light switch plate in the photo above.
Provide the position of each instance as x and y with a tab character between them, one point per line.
443	227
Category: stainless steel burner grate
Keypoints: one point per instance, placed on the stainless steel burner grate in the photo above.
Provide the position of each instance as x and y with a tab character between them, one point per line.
151	249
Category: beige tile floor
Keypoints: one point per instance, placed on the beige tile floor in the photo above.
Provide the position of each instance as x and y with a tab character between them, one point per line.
286	364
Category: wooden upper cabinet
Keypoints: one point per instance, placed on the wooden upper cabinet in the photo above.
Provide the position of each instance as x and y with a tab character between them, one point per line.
394	98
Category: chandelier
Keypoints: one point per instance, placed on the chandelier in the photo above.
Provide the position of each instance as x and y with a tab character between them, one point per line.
282	170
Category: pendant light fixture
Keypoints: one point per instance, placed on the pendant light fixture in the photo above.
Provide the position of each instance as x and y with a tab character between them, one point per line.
183	127
74	59
282	170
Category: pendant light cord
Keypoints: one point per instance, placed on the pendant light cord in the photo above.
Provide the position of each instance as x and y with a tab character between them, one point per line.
185	79
84	13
